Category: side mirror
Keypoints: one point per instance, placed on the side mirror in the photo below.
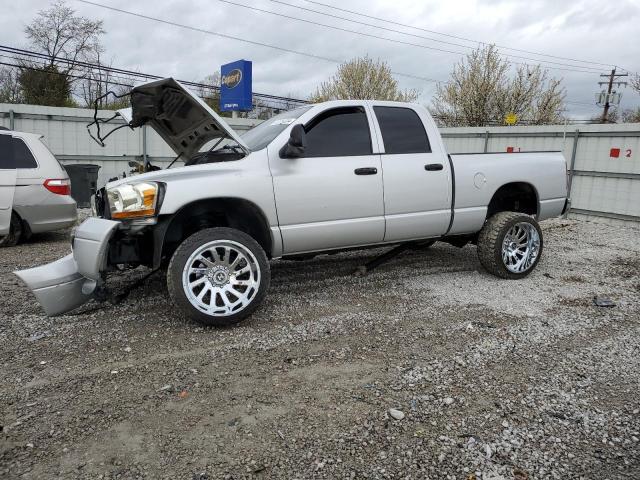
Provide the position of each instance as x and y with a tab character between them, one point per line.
296	144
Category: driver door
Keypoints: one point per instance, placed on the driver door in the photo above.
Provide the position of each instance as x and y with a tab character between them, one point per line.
332	196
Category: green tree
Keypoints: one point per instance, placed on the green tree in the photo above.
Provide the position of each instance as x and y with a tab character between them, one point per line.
362	79
45	86
482	91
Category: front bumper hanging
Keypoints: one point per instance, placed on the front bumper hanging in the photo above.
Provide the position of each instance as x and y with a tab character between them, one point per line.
67	283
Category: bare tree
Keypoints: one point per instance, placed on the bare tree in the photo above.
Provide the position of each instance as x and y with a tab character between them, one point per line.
618	115
98	81
630	115
481	91
614	116
10	91
65	37
362	78
67	40
210	91
635	82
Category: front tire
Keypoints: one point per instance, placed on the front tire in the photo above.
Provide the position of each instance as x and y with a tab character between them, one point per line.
510	245
218	276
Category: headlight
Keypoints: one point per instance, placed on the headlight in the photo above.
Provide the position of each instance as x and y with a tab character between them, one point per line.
134	200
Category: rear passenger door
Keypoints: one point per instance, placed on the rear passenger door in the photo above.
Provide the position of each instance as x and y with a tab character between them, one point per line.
417	177
7	182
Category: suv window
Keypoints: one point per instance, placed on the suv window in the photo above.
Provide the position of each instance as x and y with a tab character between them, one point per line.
6	152
22	155
402	130
339	132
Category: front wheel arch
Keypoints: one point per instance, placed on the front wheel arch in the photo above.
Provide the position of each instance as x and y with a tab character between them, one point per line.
236	213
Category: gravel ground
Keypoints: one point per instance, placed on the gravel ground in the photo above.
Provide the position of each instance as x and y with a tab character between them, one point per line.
426	368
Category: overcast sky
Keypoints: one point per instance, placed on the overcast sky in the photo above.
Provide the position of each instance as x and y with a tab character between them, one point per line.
594	30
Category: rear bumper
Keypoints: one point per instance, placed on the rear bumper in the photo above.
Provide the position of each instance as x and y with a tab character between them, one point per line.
58	211
67	283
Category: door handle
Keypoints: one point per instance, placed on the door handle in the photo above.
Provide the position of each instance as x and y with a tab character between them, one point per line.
366	171
433	167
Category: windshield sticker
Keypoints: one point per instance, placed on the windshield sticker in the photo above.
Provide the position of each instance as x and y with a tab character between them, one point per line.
284	121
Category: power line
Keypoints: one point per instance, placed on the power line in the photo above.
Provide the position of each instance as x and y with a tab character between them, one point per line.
585	69
400	32
115	74
231	37
270	12
34	56
441	33
210	32
109	82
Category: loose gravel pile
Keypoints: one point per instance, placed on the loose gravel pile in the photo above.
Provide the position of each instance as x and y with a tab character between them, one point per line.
426	368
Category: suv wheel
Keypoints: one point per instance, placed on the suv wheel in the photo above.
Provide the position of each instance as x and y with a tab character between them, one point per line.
12	238
218	276
510	245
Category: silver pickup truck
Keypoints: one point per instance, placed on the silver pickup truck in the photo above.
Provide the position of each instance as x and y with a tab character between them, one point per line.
321	178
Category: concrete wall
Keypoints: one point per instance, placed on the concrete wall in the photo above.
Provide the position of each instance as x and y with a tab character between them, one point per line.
603	186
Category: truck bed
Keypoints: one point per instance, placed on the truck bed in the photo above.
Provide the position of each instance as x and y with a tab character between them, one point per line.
478	176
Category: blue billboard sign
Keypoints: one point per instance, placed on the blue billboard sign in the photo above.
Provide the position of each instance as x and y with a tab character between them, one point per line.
235	86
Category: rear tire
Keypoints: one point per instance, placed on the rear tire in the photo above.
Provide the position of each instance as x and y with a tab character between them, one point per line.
15	232
218	276
510	245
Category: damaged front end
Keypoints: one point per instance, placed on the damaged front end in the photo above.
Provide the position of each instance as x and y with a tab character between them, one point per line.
71	281
128	230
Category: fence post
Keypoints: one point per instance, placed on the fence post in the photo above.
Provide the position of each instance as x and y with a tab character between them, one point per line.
12	120
486	141
572	164
144	147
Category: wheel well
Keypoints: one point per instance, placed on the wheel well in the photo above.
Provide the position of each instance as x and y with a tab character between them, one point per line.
26	228
514	197
217	212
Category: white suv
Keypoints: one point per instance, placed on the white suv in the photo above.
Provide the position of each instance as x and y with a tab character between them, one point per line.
35	192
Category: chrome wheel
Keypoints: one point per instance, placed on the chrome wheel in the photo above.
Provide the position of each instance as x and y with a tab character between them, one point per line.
221	278
520	247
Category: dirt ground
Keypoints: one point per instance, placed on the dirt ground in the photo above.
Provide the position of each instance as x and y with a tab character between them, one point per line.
495	379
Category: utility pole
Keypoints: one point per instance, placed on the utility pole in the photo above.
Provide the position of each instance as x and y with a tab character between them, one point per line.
610	97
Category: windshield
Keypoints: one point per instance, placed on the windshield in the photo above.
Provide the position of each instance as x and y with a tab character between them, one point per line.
260	136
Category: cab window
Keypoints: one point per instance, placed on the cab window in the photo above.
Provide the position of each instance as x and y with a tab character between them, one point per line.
402	130
339	132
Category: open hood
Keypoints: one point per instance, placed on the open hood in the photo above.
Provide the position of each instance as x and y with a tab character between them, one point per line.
182	119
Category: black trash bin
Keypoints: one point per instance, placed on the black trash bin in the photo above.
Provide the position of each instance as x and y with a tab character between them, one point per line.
84	182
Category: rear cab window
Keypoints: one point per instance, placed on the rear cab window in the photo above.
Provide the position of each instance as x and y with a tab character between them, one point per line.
402	131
